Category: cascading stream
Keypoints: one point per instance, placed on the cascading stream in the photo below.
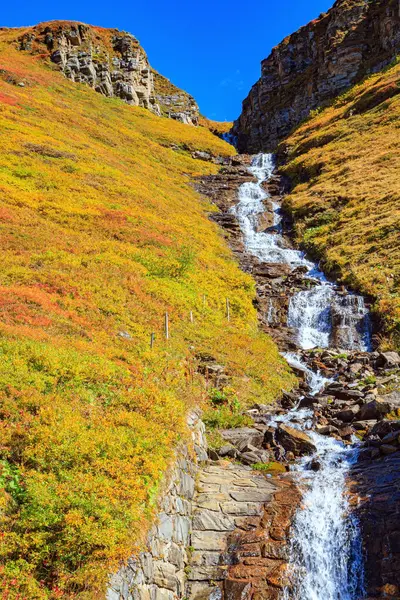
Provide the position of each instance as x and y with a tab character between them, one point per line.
326	560
318	314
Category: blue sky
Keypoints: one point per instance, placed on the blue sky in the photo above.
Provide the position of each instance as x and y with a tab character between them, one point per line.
212	49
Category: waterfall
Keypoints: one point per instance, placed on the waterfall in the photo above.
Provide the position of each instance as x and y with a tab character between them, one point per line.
325	550
316	381
326	560
266	247
320	315
310	313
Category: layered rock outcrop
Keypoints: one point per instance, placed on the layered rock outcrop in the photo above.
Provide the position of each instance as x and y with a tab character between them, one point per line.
110	61
174	102
113	63
316	64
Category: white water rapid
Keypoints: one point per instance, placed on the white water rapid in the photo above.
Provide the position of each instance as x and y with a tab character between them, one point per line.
326	560
318	313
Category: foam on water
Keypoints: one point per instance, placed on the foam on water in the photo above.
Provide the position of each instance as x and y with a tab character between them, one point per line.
316	381
325	554
326	561
312	312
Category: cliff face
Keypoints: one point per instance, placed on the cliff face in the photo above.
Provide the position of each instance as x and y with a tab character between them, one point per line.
110	61
314	65
174	102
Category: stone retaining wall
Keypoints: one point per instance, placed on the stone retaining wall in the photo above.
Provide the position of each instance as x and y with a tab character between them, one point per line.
159	572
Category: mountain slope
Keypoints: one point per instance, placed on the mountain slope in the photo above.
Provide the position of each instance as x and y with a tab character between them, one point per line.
102	233
344	167
110	61
315	64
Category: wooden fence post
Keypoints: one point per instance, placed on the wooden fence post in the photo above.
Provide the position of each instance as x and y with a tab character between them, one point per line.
166	326
228	310
152	340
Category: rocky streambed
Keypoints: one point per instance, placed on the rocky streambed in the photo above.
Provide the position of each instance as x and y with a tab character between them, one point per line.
337	436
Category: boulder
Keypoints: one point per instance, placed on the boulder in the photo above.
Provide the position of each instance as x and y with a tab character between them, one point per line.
373	410
393	399
308	401
250	458
384	427
364	425
294	440
346	394
228	450
355	368
389	359
346	433
327	430
272	270
248	435
269	437
387	449
347	415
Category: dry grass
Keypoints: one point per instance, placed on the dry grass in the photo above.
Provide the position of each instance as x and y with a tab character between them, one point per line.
216	127
344	163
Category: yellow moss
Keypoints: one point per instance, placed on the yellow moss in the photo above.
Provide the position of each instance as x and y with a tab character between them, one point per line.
102	233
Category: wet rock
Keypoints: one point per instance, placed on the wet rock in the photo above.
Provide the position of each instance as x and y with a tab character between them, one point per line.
308	402
294	440
374	453
289	399
315	465
269	437
389	438
327	430
387	449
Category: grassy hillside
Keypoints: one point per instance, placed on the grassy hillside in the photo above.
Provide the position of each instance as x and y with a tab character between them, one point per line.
216	127
102	233
344	163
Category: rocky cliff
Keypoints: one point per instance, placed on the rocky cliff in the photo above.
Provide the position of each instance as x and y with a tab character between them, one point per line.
174	102
110	61
316	64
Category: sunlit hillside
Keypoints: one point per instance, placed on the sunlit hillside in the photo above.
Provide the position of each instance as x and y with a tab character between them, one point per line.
103	233
344	163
